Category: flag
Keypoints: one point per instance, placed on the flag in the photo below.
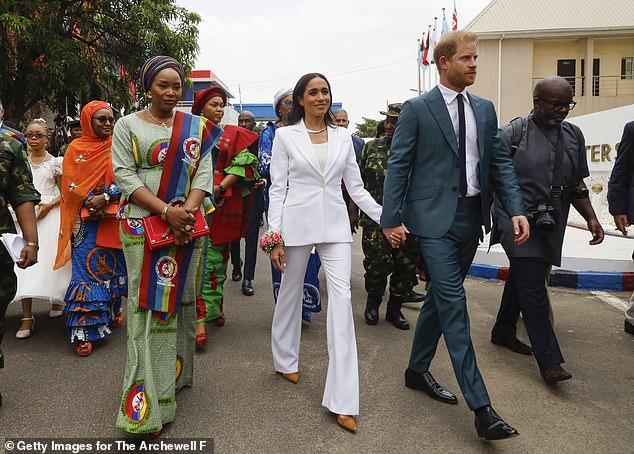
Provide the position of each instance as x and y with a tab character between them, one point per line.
445	27
421	50
432	42
425	44
454	19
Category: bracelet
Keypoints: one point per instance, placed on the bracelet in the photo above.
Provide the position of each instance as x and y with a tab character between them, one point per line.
164	212
32	244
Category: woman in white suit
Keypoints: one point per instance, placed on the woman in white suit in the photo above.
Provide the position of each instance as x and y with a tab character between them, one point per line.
310	158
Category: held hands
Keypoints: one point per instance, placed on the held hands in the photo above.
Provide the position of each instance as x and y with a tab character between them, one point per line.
28	257
396	235
521	228
277	258
597	231
622	223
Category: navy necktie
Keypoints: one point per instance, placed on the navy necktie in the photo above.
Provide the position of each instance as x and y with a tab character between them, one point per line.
462	145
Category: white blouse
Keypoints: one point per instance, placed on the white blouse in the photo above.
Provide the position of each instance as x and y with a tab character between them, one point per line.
321	151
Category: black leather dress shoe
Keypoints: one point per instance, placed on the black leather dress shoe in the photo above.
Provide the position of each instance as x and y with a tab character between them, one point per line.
491	427
247	288
397	319
629	328
554	374
414	297
513	344
426	382
236	275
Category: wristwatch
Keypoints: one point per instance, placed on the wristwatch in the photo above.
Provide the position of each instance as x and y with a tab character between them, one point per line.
221	188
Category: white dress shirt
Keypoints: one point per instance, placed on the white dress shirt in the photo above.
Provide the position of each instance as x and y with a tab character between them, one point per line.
473	155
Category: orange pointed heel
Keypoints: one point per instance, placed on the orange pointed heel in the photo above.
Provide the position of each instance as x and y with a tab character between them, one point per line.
293	378
347	422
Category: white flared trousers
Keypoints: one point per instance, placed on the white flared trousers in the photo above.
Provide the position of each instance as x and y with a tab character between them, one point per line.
341	393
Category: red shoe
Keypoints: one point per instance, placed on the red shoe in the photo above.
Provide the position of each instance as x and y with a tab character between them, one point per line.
119	320
201	339
220	321
156	434
84	348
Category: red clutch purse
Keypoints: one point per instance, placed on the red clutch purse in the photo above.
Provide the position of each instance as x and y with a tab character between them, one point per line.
155	227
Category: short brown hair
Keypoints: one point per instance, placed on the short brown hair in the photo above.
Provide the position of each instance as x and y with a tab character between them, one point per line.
447	45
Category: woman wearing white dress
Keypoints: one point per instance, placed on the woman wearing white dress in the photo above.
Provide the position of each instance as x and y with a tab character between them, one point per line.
40	281
311	157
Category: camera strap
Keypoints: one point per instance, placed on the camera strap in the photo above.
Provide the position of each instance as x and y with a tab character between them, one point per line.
556	188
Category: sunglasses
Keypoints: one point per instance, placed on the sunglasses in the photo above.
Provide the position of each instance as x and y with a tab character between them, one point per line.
560	106
35	136
288	103
104	120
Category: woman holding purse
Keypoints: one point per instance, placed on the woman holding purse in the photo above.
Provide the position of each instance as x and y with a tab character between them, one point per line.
163	165
311	157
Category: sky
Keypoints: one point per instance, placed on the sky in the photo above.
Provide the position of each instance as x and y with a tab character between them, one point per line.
366	48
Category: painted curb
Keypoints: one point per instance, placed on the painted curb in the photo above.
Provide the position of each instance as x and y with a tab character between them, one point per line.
581	280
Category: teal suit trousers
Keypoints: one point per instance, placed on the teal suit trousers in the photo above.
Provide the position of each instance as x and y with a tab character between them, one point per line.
444	311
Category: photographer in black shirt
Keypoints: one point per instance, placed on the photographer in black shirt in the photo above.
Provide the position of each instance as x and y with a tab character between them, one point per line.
549	157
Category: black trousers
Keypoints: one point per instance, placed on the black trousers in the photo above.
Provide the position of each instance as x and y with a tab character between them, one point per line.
525	292
8	287
235	255
251	246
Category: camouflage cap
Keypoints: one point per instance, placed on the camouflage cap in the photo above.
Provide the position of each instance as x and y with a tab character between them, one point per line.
393	110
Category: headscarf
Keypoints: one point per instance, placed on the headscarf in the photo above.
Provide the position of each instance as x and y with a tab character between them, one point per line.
283	93
87	162
202	97
155	65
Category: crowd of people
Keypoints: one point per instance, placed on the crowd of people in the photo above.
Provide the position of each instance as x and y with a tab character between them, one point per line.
152	209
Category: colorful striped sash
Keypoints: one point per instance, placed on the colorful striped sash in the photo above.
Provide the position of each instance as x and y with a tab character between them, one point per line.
13	134
165	270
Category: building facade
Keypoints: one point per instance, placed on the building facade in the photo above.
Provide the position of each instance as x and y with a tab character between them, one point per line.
589	43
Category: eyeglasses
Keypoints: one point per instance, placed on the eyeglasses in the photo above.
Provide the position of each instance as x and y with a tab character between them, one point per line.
288	103
35	136
560	106
104	120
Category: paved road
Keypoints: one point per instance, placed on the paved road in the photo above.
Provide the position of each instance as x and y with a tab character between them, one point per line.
51	392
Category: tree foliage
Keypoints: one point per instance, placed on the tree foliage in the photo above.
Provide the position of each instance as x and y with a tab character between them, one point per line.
367	128
66	51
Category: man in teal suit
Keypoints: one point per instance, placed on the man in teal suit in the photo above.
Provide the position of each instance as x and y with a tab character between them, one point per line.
446	156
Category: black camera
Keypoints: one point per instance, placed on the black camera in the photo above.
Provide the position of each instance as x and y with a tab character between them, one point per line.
541	217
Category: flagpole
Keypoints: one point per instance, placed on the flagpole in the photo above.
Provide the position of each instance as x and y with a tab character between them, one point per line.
418	63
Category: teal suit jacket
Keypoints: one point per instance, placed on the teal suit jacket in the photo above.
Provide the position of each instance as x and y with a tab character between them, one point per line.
421	185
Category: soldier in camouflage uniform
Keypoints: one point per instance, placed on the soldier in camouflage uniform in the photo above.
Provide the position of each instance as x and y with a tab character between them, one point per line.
16	188
380	259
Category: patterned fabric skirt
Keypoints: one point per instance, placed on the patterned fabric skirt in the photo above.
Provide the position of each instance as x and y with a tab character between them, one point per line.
93	298
210	300
160	360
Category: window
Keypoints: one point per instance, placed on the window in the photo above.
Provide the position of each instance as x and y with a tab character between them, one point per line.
627	68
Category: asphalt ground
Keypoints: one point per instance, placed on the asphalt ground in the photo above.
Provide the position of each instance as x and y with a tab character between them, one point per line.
48	391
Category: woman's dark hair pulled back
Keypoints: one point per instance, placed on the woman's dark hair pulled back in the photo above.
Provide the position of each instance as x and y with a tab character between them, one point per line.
297	113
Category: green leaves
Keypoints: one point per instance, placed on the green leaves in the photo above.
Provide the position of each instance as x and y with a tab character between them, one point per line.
63	52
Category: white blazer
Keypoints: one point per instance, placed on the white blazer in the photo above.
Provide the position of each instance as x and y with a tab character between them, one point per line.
313	211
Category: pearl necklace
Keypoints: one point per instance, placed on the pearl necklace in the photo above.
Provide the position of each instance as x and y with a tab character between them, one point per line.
162	124
310	131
